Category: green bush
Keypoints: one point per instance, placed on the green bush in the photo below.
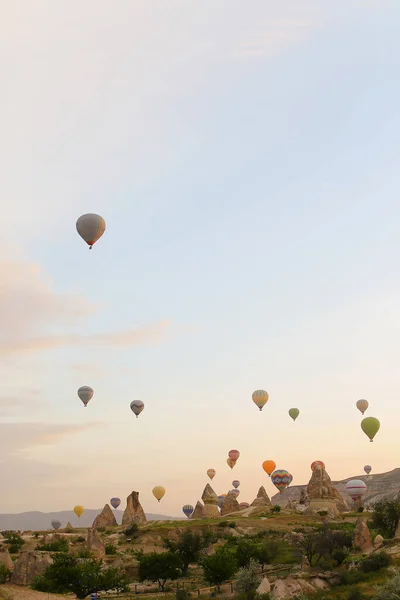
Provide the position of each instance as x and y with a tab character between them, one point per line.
355	594
375	562
276	508
14	541
110	549
183	595
322	513
389	590
133	530
340	554
5	574
60	545
385	516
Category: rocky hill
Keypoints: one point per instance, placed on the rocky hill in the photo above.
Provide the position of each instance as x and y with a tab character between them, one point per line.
37	521
382	486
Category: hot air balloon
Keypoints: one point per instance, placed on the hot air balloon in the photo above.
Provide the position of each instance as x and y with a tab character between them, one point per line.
211	473
234	454
79	510
370	426
235	492
56	524
221	499
243	505
260	398
368	469
158	492
90	227
362	405
294	413
280	479
231	463
235	483
188	510
115	502
356	488
85	393
269	466
290	479
136	407
317	463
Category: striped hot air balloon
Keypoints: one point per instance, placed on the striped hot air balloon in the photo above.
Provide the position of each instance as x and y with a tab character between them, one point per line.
356	488
281	479
260	398
188	510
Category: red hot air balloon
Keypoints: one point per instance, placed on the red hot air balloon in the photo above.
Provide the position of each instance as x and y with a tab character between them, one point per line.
234	454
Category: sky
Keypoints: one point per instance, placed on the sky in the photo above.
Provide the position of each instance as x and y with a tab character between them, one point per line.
245	159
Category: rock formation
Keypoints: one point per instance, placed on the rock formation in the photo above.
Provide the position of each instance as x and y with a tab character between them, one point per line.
229	505
105	519
303	497
323	495
5	558
264	587
134	511
262	498
69	527
397	532
198	511
378	542
210	500
94	543
29	566
362	537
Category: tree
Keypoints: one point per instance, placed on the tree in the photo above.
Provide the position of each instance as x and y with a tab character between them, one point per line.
308	545
246	550
219	566
82	577
189	548
14	541
159	567
248	579
385	517
266	552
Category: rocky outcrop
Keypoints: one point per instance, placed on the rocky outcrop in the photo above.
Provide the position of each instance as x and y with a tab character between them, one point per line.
134	511
29	566
397	532
264	587
105	519
5	558
322	494
229	505
68	527
262	499
303	498
95	544
362	537
210	500
378	542
291	587
198	511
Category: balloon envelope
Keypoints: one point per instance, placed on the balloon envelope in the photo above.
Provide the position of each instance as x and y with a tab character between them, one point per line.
231	463
211	473
281	479
188	510
115	502
234	454
243	505
260	398
235	492
356	488
294	413
269	466
90	227
56	524
370	426
317	464
136	407
159	492
235	483
362	405
221	499
79	510
85	393
368	469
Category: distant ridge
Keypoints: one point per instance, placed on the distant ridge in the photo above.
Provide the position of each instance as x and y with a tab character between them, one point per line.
36	521
380	486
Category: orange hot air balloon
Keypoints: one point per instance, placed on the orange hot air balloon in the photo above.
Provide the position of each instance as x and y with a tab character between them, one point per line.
269	467
234	454
317	463
231	463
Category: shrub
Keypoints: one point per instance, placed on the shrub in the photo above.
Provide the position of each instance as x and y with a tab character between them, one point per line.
340	554
5	574
323	513
375	562
132	530
110	549
60	545
183	595
276	508
389	590
223	524
14	541
247	579
355	594
385	516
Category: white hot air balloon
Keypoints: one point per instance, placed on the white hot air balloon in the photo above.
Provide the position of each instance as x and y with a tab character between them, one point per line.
90	227
356	488
85	393
136	407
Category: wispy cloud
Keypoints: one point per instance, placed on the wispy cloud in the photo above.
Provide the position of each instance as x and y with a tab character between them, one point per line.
272	37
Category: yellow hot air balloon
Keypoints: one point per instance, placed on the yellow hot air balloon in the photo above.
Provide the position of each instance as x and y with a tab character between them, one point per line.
362	405
211	473
231	463
260	398
269	466
159	492
79	510
370	426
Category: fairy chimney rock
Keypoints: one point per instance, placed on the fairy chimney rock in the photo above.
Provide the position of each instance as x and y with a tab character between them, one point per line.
105	519
322	494
210	500
29	566
94	543
69	527
362	538
262	498
229	505
134	511
5	558
198	511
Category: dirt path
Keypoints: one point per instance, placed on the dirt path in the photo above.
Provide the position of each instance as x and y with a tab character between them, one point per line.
17	592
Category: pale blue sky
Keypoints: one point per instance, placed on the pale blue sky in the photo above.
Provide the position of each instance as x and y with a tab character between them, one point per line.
245	157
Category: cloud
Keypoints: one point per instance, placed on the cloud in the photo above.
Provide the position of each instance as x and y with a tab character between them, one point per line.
273	37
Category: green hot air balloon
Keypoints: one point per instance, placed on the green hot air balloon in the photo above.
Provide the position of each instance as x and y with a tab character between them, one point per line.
294	413
370	427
